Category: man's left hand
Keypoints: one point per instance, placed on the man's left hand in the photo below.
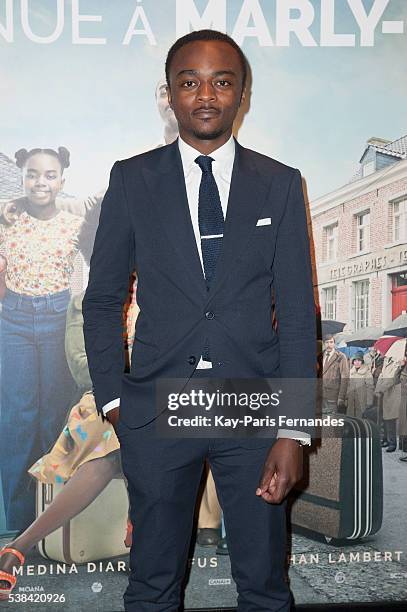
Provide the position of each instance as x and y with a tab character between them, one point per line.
282	469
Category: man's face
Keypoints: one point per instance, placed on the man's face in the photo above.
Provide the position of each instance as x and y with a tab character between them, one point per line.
329	344
205	89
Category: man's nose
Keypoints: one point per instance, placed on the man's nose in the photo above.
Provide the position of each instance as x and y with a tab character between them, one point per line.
206	91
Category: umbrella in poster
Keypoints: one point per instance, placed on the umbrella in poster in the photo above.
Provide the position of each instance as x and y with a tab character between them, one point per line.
341	338
364	337
383	344
397	350
398	327
350	351
331	327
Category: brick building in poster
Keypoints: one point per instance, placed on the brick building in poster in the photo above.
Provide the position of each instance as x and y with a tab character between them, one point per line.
360	240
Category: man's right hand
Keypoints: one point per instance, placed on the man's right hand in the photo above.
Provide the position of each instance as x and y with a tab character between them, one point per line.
113	416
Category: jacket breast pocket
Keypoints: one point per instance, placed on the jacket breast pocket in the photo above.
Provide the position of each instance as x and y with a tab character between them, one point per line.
263	232
263	242
261	229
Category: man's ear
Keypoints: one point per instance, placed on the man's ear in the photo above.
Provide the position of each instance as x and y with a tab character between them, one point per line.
169	96
243	96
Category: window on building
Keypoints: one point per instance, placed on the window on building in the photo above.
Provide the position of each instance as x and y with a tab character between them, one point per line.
400	279
368	168
329	303
362	231
331	240
399	220
360	313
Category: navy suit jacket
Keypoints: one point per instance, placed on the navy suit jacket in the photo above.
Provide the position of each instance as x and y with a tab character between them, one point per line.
145	225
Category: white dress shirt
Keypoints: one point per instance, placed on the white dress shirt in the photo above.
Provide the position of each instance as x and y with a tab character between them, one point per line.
222	167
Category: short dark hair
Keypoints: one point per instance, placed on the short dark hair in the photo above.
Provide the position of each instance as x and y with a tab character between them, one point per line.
198	35
328	337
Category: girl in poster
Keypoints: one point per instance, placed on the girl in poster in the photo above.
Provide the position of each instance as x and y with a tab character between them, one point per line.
37	386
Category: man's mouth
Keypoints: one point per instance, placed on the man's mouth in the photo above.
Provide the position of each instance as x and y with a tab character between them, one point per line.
205	113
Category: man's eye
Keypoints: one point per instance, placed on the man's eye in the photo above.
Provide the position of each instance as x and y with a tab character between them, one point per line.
223	83
188	83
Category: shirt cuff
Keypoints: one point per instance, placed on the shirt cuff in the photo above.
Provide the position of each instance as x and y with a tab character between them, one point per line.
110	405
301	436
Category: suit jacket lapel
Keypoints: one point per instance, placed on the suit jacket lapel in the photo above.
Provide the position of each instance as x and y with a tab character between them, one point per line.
166	183
248	191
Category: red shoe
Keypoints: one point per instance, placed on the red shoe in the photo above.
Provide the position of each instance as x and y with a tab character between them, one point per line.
129	534
6	576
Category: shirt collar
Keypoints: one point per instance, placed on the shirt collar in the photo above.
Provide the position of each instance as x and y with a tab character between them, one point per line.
223	157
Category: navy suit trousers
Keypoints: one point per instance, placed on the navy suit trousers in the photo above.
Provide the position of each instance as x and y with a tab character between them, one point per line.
163	477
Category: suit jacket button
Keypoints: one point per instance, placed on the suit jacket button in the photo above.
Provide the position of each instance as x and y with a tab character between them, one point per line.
209	315
192	360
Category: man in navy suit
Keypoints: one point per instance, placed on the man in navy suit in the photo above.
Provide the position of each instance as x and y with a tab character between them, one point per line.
216	233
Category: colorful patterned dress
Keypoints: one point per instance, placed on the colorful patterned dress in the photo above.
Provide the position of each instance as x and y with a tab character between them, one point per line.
40	253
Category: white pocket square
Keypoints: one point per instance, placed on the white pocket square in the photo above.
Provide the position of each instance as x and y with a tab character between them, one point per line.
265	221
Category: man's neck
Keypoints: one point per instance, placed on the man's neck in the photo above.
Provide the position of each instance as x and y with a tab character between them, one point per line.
205	147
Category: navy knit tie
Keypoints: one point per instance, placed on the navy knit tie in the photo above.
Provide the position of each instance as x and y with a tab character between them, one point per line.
210	218
211	223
